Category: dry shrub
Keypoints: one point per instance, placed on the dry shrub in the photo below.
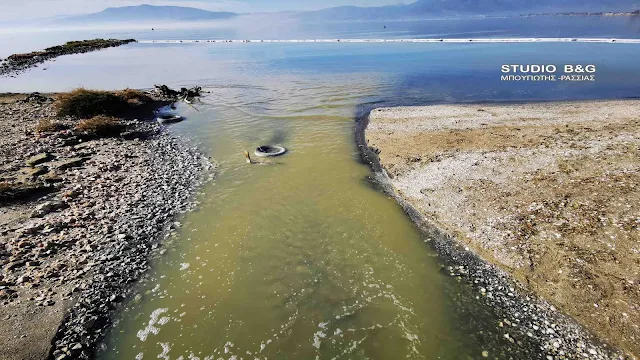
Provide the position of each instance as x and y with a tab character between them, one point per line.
101	126
83	103
46	125
134	97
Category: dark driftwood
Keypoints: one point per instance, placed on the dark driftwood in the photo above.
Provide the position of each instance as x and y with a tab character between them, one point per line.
183	94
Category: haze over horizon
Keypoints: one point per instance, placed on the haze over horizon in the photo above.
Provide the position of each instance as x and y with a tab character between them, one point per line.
35	9
32	9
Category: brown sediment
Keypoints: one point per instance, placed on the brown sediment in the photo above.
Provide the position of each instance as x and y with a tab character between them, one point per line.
549	192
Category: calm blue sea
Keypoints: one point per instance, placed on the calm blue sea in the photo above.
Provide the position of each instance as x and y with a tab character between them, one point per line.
404	73
305	96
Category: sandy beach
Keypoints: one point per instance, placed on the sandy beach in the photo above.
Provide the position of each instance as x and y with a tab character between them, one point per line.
545	191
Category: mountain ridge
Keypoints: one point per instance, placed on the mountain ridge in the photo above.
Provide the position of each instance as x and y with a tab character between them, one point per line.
418	9
422	8
146	12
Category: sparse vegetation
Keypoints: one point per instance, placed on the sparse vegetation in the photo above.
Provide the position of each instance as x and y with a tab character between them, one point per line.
101	126
46	125
85	103
134	97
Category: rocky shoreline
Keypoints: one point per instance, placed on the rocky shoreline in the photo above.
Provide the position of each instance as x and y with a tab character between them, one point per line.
527	317
18	63
72	251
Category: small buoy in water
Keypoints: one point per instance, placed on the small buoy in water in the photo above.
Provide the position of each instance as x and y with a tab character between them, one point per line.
270	150
168	119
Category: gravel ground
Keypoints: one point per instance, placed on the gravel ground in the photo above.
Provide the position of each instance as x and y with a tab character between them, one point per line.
71	251
536	202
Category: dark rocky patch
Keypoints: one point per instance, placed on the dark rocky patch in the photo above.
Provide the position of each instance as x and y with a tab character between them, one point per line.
17	63
83	242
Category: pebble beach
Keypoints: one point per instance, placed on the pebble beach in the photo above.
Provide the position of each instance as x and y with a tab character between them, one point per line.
543	193
73	249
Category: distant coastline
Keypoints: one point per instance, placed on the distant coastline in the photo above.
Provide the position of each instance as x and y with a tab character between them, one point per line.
17	63
600	13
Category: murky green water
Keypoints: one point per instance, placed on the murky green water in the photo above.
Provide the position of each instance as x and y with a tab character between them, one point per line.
298	259
303	258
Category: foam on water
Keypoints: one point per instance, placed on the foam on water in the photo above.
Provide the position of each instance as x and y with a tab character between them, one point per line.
328	332
165	351
151	328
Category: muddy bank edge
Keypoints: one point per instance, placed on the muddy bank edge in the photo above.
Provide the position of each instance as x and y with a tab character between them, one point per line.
558	335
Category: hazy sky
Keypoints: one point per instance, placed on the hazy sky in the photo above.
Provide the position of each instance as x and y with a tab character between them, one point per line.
27	9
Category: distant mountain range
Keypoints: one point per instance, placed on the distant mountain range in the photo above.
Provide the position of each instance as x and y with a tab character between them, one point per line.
436	8
418	9
148	13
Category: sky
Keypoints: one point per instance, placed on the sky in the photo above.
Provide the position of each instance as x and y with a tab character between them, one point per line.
29	9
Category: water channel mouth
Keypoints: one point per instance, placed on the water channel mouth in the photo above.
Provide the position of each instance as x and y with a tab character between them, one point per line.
306	258
300	260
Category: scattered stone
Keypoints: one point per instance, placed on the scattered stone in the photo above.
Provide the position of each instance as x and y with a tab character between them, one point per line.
17	191
36	98
52	177
134	134
34	171
67	163
38	159
92	240
48	207
7	294
15	264
23	279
